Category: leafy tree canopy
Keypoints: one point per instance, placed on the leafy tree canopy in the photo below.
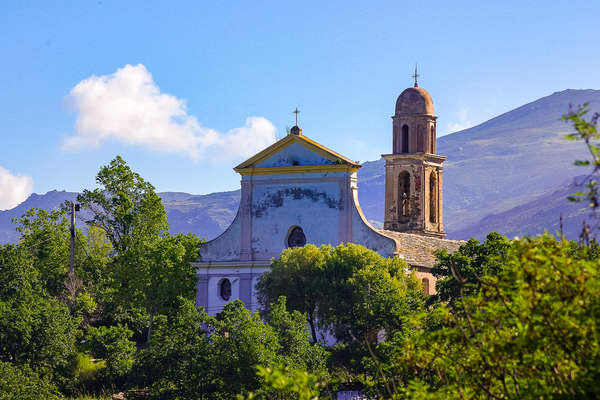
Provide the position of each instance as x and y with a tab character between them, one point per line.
349	289
530	331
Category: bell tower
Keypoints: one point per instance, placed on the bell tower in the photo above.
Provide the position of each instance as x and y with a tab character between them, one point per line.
413	172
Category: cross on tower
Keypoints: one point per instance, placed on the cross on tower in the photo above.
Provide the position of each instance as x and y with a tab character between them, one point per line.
416	75
296	111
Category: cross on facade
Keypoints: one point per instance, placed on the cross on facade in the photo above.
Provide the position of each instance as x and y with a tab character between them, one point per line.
296	111
416	75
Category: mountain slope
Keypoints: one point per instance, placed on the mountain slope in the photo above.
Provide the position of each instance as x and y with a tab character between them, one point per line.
206	216
535	217
511	159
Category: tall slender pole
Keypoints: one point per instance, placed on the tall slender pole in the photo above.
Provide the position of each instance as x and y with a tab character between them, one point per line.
72	264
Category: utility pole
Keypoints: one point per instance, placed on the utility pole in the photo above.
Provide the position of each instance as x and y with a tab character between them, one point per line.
74	207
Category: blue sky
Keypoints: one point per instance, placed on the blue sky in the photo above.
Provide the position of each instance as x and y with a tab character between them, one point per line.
190	88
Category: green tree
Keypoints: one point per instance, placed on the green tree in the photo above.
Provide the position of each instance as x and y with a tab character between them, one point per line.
297	274
460	273
349	289
18	275
46	236
192	355
177	363
40	332
21	382
112	344
35	329
125	206
286	383
149	268
530	331
367	293
241	340
296	349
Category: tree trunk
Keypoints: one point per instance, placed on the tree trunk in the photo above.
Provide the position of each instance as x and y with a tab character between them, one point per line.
311	323
150	328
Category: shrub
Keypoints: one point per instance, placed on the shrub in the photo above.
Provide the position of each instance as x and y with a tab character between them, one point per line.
21	382
112	344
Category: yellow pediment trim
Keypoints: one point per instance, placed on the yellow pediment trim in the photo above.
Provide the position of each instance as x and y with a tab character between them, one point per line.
303	140
297	169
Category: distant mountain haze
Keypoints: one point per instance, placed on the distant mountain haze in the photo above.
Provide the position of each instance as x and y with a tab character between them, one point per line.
511	174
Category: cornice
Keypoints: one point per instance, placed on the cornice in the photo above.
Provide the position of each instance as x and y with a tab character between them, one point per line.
297	169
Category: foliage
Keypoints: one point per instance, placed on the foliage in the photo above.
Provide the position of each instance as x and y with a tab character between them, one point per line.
297	275
192	355
177	362
36	329
284	383
368	294
40	332
18	275
530	331
460	273
21	382
124	205
112	344
149	268
588	132
46	236
350	289
297	351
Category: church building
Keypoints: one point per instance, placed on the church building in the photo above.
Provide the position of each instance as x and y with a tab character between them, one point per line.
297	191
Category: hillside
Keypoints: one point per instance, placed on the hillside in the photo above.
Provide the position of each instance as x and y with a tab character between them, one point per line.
534	217
206	216
510	174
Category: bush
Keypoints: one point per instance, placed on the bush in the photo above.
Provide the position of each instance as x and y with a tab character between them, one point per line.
40	332
21	382
530	330
112	344
88	374
193	355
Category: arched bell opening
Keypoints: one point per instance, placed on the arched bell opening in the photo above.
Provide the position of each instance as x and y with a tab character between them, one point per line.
404	194
433	197
405	138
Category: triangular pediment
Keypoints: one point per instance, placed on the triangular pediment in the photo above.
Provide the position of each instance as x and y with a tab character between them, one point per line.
296	151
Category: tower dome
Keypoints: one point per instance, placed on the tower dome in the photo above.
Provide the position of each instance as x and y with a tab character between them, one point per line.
414	100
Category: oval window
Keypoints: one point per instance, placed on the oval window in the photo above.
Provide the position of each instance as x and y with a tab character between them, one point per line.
296	238
225	289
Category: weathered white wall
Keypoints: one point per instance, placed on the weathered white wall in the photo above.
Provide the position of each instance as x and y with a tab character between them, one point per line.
313	202
364	234
215	301
243	278
225	247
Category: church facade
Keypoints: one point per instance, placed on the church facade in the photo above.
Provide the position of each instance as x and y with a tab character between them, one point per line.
297	191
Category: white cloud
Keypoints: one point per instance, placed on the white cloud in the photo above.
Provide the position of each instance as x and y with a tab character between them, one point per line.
13	189
128	107
462	122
